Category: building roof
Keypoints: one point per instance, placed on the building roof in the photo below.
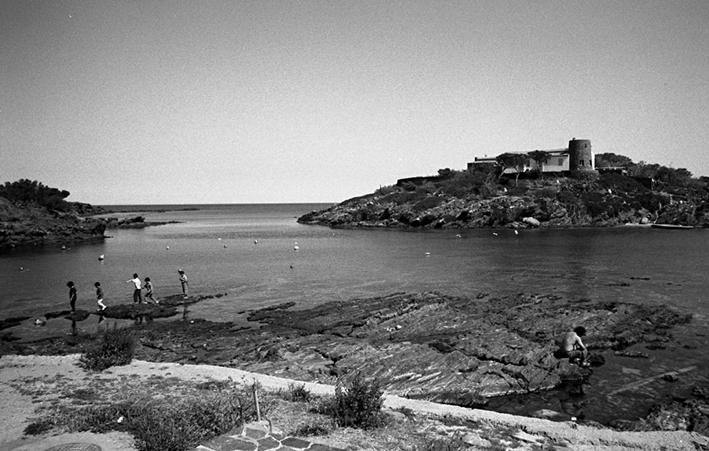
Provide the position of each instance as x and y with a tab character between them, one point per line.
553	152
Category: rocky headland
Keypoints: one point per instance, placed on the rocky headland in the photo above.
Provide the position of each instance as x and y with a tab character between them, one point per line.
462	200
32	224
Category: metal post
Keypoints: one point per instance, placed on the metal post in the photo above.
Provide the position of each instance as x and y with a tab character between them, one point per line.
258	409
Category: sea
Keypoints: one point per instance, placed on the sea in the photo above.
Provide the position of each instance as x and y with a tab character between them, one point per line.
259	256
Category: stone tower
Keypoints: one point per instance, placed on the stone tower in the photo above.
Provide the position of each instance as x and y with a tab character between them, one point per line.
580	155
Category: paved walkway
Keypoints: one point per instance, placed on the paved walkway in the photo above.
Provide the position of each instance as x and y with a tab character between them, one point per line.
260	436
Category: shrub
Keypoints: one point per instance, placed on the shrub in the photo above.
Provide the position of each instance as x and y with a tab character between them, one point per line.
452	443
428	203
584	176
359	404
310	430
298	393
545	193
384	190
175	423
464	183
622	183
116	348
567	197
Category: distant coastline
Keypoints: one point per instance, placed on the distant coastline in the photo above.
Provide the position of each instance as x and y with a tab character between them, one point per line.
159	208
142	209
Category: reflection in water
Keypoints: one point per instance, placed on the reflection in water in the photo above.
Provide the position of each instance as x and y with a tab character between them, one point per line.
143	319
577	257
573	404
100	327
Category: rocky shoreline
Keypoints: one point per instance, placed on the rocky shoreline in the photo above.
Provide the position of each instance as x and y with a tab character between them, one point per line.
33	225
429	346
571	203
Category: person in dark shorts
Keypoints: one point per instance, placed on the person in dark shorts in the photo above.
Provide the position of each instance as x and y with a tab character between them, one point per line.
72	296
137	293
571	346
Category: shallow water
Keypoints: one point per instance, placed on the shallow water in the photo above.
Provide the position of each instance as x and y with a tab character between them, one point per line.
248	251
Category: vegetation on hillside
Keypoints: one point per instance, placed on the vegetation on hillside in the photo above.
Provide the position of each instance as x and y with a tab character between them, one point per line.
24	191
32	213
620	192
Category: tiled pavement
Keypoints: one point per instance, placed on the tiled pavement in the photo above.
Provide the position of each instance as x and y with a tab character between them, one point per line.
260	436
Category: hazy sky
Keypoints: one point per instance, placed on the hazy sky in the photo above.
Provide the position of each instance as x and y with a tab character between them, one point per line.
132	101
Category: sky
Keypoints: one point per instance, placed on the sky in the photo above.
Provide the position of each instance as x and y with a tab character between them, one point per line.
187	102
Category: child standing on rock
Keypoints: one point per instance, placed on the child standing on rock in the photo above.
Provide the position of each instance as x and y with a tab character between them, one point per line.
99	296
137	293
72	296
183	281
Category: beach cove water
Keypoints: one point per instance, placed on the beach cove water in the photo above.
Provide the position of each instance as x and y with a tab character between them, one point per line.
260	256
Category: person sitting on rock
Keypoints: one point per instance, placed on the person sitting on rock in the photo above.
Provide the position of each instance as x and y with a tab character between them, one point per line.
571	347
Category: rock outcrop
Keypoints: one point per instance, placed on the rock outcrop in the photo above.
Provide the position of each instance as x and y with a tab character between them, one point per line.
35	225
32	225
428	346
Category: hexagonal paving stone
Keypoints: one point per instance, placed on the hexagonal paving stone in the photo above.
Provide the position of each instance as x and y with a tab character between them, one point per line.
75	447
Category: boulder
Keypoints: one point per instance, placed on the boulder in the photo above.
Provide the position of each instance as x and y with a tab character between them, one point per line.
531	221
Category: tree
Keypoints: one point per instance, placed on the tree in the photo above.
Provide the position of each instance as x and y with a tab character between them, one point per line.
540	157
643	169
25	191
671	177
516	161
611	160
445	173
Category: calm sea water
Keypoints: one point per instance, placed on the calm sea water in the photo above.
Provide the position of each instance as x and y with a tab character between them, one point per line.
249	252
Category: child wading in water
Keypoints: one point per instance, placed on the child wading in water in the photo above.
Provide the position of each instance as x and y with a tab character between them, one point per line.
99	296
149	291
